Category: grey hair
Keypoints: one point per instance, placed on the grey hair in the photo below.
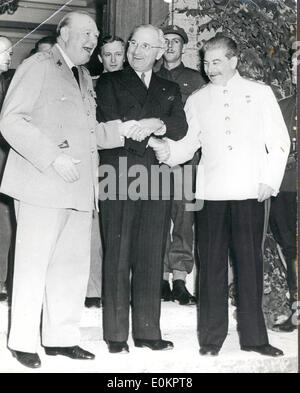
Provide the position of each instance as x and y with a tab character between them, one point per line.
160	34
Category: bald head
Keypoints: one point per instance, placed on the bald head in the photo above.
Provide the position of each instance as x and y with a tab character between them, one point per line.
5	54
77	34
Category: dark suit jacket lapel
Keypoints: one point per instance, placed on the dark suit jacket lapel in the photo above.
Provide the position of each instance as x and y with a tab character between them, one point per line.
152	99
134	85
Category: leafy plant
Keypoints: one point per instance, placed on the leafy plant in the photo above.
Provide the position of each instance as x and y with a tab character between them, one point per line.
264	29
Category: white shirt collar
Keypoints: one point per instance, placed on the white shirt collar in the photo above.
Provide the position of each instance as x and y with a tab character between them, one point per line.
69	62
148	75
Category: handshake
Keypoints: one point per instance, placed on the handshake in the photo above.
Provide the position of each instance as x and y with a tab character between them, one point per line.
142	129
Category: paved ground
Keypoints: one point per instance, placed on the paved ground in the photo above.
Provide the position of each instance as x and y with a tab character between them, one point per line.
179	325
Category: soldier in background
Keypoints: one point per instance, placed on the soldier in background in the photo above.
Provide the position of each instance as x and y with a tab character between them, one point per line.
179	257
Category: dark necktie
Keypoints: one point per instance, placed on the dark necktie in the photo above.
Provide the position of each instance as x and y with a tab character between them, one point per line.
143	79
76	74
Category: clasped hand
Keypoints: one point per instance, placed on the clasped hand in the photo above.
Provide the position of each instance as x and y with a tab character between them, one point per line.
264	192
142	129
65	166
161	148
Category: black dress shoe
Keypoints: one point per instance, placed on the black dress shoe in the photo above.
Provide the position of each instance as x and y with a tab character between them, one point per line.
181	294
166	291
286	326
30	360
71	352
155	345
117	346
211	350
266	350
92	302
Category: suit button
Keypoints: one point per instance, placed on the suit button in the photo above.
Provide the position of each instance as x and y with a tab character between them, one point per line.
230	147
226	105
124	118
225	91
228	132
227	118
93	151
92	131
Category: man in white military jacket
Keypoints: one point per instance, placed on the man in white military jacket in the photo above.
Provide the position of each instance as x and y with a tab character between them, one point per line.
49	120
245	144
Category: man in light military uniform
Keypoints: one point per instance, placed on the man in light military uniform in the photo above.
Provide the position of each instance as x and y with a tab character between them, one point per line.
49	120
245	145
179	258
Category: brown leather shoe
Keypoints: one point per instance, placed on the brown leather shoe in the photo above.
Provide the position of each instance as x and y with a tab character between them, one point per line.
71	352
27	359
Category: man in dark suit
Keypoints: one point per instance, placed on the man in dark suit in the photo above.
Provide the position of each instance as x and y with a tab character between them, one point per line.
135	227
5	202
283	213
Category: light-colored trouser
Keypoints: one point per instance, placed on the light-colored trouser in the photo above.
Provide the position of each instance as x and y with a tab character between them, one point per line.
95	280
52	261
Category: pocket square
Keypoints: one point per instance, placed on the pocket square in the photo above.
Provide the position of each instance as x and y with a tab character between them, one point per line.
64	145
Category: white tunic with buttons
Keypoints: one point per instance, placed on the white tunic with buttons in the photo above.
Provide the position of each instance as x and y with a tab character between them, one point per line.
243	137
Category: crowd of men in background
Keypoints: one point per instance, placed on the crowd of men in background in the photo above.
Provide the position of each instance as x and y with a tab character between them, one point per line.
138	244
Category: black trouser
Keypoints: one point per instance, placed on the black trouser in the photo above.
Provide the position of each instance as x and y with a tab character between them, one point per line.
238	224
134	235
283	224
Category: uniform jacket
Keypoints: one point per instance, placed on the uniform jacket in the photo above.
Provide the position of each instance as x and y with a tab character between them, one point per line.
289	111
45	113
188	79
122	95
243	137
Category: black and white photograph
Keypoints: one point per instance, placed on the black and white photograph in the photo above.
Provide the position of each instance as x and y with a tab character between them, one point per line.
149	189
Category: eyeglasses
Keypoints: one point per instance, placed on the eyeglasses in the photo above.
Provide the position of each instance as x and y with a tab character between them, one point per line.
143	45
